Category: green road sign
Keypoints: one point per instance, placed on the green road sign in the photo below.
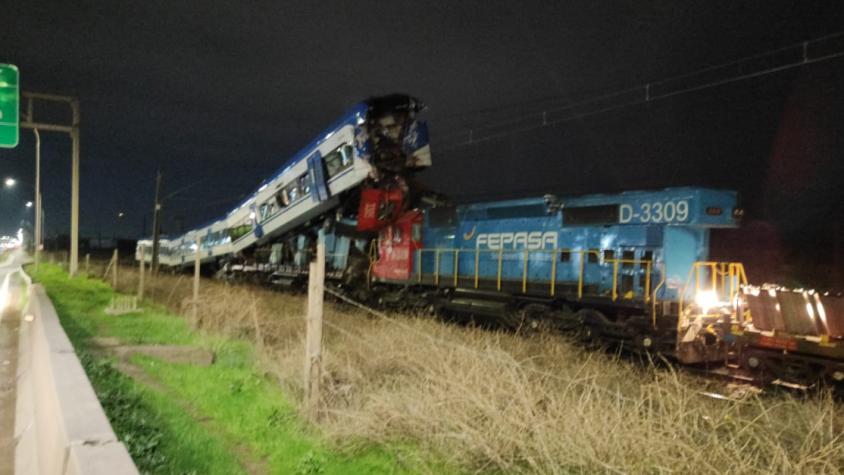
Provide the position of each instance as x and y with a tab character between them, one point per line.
9	105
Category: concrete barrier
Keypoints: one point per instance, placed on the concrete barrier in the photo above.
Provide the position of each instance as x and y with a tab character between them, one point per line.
60	426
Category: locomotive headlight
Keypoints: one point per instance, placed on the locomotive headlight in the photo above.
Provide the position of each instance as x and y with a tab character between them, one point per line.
707	300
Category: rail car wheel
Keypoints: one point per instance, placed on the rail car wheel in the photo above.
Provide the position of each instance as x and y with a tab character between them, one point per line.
758	364
532	319
591	324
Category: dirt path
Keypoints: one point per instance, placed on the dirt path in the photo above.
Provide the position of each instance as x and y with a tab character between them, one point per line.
249	461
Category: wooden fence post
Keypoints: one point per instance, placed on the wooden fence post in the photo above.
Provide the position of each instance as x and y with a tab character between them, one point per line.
87	263
313	338
114	270
141	275
196	262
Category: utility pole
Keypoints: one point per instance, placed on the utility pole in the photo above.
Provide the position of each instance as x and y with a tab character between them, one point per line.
313	335
836	257
140	274
156	224
196	268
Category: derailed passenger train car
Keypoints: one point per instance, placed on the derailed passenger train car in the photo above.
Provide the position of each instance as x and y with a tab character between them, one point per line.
374	146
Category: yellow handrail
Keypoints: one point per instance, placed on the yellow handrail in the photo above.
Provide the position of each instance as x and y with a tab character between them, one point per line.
734	273
526	257
525	271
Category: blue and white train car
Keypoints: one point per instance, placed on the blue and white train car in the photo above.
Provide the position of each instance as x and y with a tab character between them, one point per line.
375	141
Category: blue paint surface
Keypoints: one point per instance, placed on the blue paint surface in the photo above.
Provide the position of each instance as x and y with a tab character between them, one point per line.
671	230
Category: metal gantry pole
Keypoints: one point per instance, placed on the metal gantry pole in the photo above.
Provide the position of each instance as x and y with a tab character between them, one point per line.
38	229
73	131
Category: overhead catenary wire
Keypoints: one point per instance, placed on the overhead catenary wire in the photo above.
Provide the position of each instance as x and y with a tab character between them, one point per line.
653	91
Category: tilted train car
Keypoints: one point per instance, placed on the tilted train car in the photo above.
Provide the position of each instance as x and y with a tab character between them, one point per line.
374	144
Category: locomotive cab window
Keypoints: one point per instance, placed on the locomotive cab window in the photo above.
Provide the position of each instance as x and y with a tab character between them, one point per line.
609	255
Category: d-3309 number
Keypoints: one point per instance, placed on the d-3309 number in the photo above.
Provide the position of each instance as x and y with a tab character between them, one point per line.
655	212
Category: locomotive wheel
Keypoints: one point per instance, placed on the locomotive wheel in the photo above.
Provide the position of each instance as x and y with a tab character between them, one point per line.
532	319
591	322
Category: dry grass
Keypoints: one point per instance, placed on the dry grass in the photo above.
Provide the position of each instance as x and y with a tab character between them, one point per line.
494	402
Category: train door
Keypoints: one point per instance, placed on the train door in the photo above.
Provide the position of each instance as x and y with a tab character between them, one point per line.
316	171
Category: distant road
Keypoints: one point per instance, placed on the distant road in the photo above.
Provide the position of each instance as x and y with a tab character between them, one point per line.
11	287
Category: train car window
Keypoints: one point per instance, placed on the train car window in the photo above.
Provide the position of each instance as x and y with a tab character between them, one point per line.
593	255
647	256
628	257
238	232
443	216
292	192
338	160
609	254
590	215
565	256
347	155
282	198
305	184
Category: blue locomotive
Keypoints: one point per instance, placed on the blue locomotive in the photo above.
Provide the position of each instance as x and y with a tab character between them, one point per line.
623	266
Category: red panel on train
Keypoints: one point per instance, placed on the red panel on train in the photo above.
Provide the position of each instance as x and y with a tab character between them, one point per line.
397	245
378	208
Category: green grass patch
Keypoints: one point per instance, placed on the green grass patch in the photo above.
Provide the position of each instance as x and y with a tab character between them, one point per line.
198	419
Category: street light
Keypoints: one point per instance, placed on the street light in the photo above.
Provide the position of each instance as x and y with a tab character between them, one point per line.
11	182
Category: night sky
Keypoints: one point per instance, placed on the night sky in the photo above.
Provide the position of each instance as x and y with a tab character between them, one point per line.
220	94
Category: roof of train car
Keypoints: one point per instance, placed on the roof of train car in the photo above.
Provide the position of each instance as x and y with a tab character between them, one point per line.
589	198
351	116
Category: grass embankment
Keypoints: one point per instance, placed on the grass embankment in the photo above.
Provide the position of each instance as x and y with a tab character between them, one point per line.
497	402
177	418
